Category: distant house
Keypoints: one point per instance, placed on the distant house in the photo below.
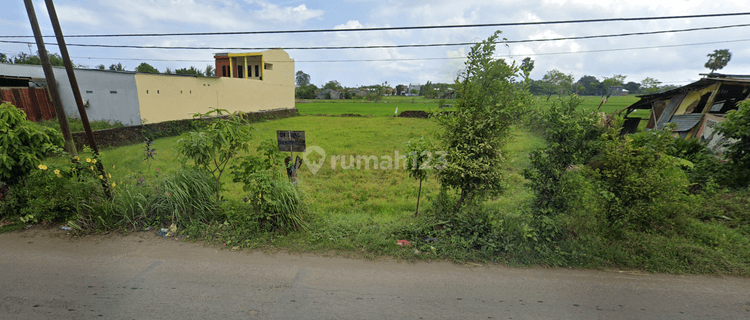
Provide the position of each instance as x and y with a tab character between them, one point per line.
246	82
329	94
695	108
414	86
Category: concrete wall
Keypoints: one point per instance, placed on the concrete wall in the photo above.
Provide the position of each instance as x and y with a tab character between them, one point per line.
97	86
169	97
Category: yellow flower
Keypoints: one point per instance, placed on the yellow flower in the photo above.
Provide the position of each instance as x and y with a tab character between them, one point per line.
42	167
113	166
57	172
100	177
88	159
93	161
91	167
110	176
77	158
113	184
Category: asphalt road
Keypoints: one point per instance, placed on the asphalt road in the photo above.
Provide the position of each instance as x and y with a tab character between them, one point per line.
46	274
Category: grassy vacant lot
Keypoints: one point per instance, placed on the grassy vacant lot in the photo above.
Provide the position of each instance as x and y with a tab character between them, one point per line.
387	106
383	192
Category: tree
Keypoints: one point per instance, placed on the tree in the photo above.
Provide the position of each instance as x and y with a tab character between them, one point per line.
117	67
192	71
23	58
24	144
527	65
632	87
333	85
210	71
614	81
650	85
557	82
718	60
736	127
168	71
305	92
589	85
4	58
400	89
145	68
476	133
302	79
101	67
417	159
212	147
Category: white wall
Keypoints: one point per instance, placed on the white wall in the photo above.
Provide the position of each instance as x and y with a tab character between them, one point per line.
112	95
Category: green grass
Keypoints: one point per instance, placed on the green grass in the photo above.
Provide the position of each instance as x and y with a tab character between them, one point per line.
362	212
76	125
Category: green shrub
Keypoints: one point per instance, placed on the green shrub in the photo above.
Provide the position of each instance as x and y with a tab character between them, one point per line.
56	193
737	126
572	140
640	185
184	197
491	100
278	204
23	144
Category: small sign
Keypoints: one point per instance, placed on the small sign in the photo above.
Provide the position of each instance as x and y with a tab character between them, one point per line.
292	141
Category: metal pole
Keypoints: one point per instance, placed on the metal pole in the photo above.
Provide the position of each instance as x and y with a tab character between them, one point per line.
62	117
76	90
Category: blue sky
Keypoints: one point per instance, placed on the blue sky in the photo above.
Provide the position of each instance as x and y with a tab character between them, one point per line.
677	64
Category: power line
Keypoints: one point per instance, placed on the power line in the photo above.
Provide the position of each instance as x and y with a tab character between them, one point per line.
713	15
394	46
445	58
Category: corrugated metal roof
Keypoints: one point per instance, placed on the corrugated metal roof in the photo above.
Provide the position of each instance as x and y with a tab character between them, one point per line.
685	122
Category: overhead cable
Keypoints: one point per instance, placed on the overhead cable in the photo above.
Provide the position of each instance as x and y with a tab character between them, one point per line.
390	46
482	25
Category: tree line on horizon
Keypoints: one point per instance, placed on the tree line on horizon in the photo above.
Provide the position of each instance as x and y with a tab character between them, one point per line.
57	60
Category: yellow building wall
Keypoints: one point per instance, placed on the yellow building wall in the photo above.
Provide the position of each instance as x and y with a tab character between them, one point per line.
170	97
695	97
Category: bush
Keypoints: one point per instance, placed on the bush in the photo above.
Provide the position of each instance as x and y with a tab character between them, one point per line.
278	204
641	186
737	126
56	193
23	144
572	139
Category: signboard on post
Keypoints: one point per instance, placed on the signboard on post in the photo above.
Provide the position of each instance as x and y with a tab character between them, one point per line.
292	141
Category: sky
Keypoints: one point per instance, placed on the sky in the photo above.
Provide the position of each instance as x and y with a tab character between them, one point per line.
673	58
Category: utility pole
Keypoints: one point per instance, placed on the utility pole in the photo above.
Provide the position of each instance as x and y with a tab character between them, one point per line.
76	91
62	117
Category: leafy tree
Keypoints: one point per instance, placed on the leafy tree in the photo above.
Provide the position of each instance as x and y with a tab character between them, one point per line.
333	85
589	85
101	67
210	71
23	58
145	68
213	146
650	85
117	67
302	78
168	71
417	159
23	143
478	130
572	139
193	71
557	82
401	89
736	127
614	81
632	87
527	65
718	60
305	92
4	58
